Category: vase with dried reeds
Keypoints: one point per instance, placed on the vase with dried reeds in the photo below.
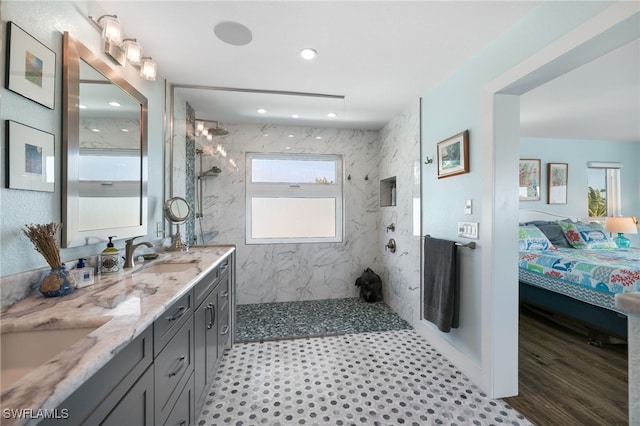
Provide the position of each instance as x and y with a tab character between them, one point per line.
58	282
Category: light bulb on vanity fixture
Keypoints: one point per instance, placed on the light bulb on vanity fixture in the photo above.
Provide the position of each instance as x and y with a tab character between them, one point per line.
148	68
133	51
621	225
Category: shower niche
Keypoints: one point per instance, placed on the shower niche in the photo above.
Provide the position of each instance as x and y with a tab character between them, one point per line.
388	189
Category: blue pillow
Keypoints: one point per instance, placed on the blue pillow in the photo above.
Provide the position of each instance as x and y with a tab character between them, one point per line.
530	237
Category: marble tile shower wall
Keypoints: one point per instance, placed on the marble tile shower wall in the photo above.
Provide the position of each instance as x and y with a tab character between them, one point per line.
293	272
400	157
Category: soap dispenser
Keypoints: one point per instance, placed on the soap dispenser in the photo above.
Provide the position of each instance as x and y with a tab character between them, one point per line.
109	259
83	274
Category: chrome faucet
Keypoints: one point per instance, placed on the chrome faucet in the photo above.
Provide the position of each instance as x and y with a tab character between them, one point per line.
129	248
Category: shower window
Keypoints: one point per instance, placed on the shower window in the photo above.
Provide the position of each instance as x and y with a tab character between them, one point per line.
293	198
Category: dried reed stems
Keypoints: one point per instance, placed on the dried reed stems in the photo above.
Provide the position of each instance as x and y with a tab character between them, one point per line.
43	238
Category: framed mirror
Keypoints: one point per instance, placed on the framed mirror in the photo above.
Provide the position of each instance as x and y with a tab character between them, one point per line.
104	150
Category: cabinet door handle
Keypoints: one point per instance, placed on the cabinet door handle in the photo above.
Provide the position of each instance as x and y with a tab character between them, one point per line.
225	330
224	293
179	313
181	363
211	307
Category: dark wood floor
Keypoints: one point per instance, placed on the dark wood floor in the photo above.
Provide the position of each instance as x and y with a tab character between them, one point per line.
565	381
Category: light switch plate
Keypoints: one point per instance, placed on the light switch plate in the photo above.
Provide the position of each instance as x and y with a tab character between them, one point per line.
468	207
468	230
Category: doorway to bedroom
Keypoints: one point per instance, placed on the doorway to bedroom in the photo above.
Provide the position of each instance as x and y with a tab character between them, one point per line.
506	94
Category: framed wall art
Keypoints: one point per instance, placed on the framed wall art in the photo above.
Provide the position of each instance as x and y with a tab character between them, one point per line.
453	155
529	175
557	183
30	158
31	67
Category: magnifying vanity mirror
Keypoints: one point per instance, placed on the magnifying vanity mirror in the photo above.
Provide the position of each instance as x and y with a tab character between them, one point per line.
177	211
104	146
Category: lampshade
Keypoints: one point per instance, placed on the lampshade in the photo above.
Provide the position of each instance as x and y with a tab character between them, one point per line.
622	225
148	69
133	50
111	30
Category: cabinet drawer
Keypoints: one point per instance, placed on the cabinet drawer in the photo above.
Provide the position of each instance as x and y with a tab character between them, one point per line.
174	317
182	413
224	265
223	293
205	285
173	368
98	395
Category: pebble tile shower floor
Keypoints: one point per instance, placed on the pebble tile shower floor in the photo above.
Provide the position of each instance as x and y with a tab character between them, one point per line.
375	378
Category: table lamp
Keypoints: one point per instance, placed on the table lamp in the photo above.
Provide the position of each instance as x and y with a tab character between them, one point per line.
621	225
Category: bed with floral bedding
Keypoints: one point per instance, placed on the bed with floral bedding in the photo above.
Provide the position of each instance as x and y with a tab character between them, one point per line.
573	270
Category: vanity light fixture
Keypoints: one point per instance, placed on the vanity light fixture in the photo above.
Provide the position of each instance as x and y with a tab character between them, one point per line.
148	68
308	53
123	51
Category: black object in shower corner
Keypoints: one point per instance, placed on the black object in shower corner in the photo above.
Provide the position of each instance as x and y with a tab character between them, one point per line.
370	285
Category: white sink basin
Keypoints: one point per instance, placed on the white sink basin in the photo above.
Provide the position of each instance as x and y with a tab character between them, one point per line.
24	351
167	267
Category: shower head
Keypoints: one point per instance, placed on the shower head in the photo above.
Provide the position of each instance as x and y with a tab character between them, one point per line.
218	131
211	131
214	171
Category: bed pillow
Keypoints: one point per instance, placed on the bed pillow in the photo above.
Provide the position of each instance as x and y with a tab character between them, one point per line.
531	237
586	235
555	234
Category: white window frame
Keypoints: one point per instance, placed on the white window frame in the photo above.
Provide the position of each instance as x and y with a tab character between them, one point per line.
294	190
612	178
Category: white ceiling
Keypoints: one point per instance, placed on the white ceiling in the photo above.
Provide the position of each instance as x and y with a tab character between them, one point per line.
381	56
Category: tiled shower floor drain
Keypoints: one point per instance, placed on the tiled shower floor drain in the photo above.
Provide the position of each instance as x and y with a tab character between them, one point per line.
380	378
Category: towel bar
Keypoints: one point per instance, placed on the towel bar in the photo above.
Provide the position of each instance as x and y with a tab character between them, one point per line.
470	244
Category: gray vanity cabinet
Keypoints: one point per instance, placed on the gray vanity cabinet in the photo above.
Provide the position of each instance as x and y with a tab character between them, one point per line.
212	326
173	363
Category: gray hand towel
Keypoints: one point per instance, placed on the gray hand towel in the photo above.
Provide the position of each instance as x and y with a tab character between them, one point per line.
441	302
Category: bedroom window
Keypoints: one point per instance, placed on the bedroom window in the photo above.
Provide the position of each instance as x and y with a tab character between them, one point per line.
293	198
603	180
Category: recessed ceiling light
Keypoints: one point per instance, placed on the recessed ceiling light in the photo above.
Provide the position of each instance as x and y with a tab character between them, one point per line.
308	53
292	136
262	111
295	116
332	115
233	33
114	104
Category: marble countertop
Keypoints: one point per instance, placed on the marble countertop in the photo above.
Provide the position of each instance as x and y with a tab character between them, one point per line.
629	302
121	305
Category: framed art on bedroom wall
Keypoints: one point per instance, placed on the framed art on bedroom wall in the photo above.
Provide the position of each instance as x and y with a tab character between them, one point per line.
557	183
529	176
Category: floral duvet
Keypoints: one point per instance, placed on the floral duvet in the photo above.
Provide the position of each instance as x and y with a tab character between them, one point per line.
608	271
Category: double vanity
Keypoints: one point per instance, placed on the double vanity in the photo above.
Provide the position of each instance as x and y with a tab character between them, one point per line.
139	347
